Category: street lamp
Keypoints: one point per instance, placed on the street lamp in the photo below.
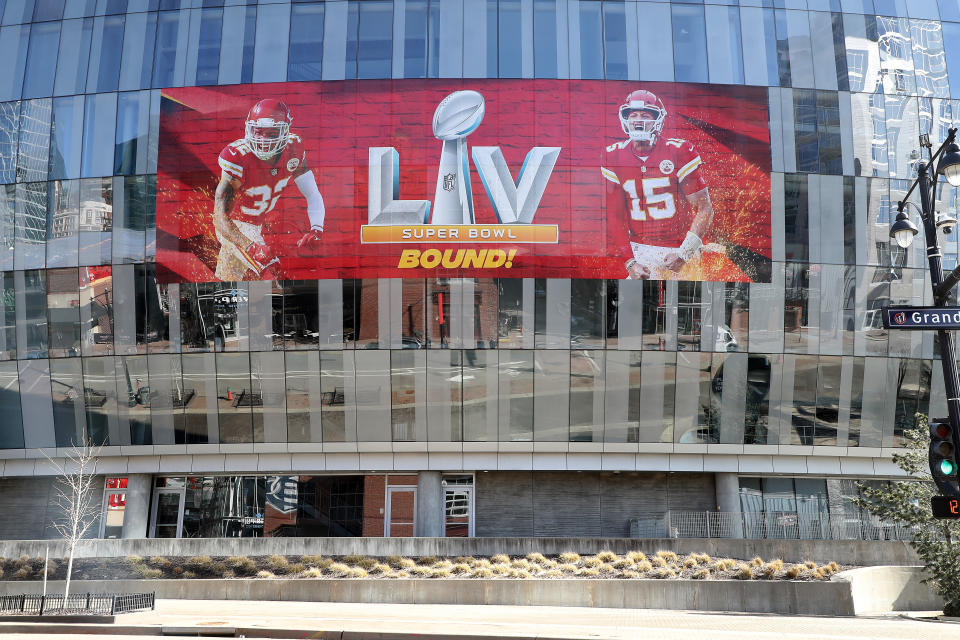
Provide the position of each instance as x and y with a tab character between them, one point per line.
903	232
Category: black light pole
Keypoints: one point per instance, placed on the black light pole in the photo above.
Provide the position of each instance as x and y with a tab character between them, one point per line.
903	232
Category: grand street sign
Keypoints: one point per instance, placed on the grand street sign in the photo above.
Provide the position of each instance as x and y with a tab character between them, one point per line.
921	317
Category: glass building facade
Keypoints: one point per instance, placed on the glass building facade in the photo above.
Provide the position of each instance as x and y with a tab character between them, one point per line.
356	389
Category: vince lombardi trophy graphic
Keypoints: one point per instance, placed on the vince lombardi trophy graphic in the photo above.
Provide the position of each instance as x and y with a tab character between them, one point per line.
456	117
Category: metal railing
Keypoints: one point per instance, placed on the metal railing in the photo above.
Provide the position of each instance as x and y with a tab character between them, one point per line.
780	524
79	603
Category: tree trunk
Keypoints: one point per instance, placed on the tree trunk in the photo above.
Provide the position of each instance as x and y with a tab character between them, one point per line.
66	589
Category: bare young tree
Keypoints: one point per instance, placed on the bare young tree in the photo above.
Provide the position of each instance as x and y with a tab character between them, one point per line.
74	498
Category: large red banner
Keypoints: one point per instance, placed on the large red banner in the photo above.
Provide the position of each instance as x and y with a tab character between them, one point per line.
464	178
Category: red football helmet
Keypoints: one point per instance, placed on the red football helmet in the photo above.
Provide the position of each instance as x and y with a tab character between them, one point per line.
267	127
643	130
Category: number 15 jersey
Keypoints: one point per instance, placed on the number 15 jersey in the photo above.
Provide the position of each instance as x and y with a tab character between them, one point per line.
262	181
646	195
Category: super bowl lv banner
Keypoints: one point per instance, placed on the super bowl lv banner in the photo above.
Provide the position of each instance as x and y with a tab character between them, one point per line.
464	178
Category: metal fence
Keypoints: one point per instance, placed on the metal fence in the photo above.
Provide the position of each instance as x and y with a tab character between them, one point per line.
79	603
779	524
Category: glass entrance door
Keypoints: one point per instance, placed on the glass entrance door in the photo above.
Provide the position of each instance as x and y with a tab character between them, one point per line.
458	508
167	514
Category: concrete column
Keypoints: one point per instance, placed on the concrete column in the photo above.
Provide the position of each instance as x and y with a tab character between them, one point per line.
136	514
728	501
429	523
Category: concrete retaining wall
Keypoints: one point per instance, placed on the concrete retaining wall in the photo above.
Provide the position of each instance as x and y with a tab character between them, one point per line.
858	553
813	598
884	589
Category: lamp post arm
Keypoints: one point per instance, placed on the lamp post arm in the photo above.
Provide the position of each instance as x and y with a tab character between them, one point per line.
941	292
951	138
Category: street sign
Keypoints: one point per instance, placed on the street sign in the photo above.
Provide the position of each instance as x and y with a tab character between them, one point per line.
945	507
921	317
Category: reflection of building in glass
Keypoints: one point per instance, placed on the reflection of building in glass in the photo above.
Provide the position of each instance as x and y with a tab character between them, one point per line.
95	216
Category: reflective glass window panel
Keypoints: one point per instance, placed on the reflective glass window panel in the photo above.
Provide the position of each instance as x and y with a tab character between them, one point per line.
950	10
828	402
332	393
479	384
375	39
655	37
11	428
98	125
234	398
509	38
591	40
41	60
444	404
133	391
913	391
304	396
69	414
723	43
96	221
8	216
586	395
138	55
31	225
372	379
198	328
694	418
48	10
551	400
272	42
796	308
439	310
166	399
31	303
128	308
306	41
33	153
301	321
654	315
198	398
863	53
614	41
408	390
587	307
80	8
63	209
63	313
162	304
361	316
268	397
951	47
170	53
129	219
802	371
756	424
37	407
13	48
133	124
239	31
96	310
484	313
71	71
828	133
724	402
796	215
415	40
544	39
17	11
66	131
100	399
689	315
856	400
896	58
510	311
412	309
929	59
103	73
8	317
516	395
9	135
654	409
208	36
689	44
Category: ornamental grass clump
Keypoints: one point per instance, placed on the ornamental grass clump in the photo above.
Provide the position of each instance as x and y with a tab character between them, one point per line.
427	561
592	561
667	556
460	568
630	574
607	556
133	560
644	566
552	573
312	572
481	572
537	558
744	572
200	562
522	564
352	559
158	561
588	572
266	575
380	569
500	569
756	562
242	565
500	558
794	571
339	569
636	556
657	561
568	567
701	574
367	563
663	573
278	564
143	571
624	563
569	557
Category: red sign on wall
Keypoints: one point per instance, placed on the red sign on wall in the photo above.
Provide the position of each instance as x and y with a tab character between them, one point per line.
472	178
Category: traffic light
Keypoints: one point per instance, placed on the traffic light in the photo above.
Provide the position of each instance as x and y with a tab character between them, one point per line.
943	457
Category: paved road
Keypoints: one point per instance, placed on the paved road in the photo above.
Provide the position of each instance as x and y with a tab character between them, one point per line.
526	622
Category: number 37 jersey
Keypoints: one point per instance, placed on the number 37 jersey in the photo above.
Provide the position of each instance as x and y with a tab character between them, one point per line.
646	195
261	181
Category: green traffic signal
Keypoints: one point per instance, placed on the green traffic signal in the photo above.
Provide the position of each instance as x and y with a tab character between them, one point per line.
948	468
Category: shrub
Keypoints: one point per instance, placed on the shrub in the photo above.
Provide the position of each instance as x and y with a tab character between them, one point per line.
522	563
519	573
218	569
500	569
589	572
592	561
607	556
630	574
186	574
460	568
353	559
568	567
569	557
367	563
606	568
481	572
200	563
467	560
398	574
636	556
663	573
356	572
667	556
339	569
133	559
702	574
537	558
380	569
644	566
157	561
149	572
744	572
266	575
227	573
658	562
500	558
242	565
428	561
439	572
312	572
810	564
756	562
834	567
624	563
689	562
296	568
278	564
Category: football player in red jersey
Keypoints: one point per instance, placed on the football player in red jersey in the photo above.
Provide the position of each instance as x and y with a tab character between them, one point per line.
657	198
254	171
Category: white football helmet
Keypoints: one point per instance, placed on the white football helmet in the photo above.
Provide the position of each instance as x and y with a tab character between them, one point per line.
647	131
267	128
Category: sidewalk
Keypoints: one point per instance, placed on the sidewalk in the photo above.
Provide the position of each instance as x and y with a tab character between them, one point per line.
339	621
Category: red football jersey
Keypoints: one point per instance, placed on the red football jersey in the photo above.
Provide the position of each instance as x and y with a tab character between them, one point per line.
262	180
646	196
